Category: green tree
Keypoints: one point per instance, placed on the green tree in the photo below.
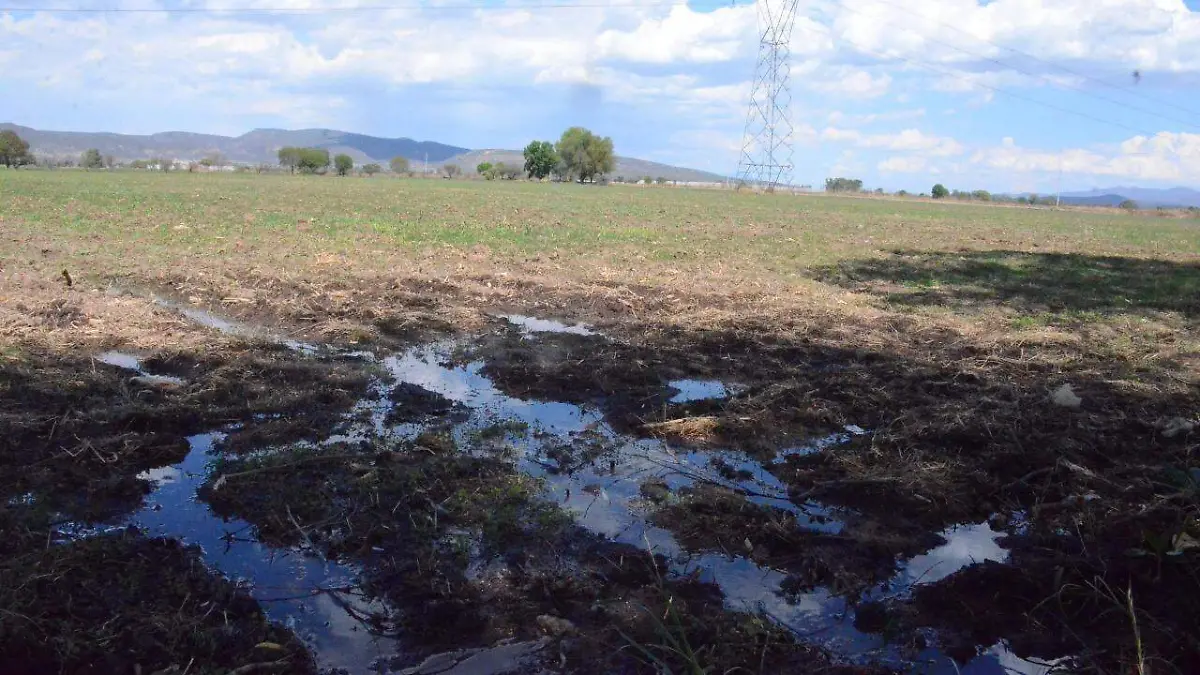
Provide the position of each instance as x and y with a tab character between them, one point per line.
14	150
371	169
585	155
399	165
344	164
939	191
451	170
1128	205
485	169
92	159
314	160
540	159
982	195
843	185
507	171
902	193
289	158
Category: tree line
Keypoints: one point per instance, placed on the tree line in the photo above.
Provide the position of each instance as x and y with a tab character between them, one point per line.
578	155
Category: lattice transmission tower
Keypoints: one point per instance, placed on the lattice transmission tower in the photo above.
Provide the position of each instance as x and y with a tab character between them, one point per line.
766	159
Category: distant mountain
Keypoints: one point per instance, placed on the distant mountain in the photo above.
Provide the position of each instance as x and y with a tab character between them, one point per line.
258	146
1106	199
1176	196
262	145
627	167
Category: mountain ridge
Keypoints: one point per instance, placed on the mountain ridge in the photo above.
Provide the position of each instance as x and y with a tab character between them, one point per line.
260	146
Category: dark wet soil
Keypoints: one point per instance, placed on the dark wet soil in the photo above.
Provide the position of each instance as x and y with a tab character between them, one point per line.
124	603
686	502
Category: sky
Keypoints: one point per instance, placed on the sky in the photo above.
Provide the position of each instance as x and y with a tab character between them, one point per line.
1005	95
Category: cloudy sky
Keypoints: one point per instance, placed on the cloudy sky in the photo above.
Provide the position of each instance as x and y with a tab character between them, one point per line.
1001	94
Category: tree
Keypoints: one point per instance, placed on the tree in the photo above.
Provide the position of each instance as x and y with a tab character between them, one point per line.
14	150
399	165
982	195
843	185
91	159
507	171
939	191
902	193
485	169
451	170
213	159
585	155
1128	205
371	169
343	163
314	160
289	158
540	159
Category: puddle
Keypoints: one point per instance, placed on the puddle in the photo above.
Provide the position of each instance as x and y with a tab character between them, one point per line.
120	360
588	468
997	660
698	390
236	328
530	325
133	363
313	597
965	545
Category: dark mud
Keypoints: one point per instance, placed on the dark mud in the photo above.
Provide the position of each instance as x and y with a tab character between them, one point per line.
122	603
546	495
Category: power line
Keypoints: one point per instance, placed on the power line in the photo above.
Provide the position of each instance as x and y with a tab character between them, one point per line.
356	8
1019	69
1060	67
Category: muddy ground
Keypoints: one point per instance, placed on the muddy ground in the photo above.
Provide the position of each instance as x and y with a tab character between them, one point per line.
555	501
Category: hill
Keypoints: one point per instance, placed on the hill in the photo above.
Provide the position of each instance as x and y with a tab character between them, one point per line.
1145	197
255	147
627	167
261	145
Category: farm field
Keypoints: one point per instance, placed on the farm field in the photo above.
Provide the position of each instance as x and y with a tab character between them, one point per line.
567	428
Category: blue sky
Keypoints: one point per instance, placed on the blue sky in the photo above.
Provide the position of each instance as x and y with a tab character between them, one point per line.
1004	95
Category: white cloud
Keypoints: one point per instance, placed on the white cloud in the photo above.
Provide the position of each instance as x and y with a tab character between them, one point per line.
903	165
1166	156
683	36
908	140
847	81
1154	35
838	117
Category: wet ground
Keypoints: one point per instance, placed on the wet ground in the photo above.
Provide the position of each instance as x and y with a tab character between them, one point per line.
447	512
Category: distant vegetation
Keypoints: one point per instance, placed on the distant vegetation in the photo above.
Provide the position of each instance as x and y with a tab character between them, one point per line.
843	185
451	170
343	164
304	160
399	165
584	156
371	169
540	159
14	150
92	159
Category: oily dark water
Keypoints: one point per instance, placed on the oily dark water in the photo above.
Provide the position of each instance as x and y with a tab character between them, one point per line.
319	599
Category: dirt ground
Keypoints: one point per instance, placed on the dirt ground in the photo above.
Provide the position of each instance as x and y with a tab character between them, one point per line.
1054	395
